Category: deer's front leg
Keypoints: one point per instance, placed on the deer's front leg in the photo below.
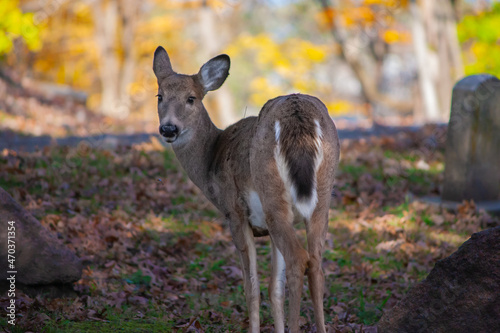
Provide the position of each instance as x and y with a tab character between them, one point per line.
244	241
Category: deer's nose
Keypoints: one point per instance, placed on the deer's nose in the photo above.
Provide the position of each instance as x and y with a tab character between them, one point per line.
169	131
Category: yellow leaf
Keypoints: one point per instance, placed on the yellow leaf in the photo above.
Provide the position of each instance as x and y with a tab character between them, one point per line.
339	107
391	36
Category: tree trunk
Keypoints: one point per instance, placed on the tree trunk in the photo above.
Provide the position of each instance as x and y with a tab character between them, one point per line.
115	18
425	68
370	92
106	25
129	12
441	28
211	45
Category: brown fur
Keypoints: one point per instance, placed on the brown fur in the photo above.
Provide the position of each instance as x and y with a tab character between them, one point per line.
227	164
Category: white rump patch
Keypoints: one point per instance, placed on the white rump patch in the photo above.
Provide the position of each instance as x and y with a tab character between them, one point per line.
304	206
257	218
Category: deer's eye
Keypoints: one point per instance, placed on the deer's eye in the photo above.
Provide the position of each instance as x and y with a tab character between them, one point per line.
191	99
160	98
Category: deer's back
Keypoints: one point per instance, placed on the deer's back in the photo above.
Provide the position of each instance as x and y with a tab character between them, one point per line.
245	148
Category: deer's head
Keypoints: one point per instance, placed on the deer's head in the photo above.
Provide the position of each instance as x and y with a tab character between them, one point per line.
180	106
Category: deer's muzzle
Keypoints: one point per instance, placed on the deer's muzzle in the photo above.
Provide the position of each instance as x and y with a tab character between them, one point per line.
169	132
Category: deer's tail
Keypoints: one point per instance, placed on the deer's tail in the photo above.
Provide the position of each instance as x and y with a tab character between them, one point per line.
298	154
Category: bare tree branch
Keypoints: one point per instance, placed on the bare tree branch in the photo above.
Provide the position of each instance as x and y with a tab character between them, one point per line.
369	90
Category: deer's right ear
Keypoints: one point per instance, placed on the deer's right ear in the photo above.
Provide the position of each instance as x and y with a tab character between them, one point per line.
161	63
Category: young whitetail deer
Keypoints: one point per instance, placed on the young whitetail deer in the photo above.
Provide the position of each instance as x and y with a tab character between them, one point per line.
263	173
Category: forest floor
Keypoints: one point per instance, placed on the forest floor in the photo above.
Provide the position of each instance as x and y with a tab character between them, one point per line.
158	258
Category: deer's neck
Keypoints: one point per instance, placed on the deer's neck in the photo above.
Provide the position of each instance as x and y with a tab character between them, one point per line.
197	153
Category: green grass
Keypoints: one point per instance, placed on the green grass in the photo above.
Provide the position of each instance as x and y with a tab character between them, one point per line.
113	323
389	262
138	278
13	329
369	315
427	220
354	170
169	160
390	154
399	210
10	183
341	257
181	229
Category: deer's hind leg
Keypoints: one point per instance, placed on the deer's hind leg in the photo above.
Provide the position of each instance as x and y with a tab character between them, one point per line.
279	221
316	234
277	289
317	229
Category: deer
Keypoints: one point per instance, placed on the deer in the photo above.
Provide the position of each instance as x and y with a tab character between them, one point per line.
265	174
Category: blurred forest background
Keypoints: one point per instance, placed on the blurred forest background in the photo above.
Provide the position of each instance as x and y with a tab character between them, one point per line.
156	256
81	67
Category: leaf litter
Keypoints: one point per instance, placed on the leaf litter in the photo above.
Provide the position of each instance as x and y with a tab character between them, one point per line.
157	256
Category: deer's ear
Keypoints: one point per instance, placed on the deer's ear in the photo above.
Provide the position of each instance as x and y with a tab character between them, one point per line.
161	63
213	74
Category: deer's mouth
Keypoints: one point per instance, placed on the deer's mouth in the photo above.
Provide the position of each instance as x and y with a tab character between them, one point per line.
171	139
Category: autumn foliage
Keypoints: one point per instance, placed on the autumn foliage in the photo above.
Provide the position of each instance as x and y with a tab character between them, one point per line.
157	256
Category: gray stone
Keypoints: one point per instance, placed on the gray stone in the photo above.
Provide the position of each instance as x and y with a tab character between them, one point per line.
492	207
40	257
472	161
460	295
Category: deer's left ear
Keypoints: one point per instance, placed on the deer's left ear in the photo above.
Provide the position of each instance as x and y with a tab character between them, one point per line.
213	74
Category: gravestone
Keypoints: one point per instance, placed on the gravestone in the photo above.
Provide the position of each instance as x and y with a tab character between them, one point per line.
472	161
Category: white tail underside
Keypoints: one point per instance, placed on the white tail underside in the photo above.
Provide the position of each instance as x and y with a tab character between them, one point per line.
304	206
